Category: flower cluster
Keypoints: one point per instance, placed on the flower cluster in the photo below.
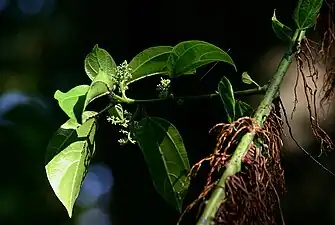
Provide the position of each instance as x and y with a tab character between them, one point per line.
122	118
163	88
122	75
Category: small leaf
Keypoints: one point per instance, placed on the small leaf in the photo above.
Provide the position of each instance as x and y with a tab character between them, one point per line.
306	13
116	111
151	61
101	85
227	96
190	55
68	155
282	31
243	109
99	59
247	79
165	154
73	101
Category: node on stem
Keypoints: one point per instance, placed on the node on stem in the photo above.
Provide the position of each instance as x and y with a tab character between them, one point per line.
252	195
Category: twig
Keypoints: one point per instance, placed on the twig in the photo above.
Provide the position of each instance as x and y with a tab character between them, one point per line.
253	91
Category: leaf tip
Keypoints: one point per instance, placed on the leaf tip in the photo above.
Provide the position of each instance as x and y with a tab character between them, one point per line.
69	211
233	64
57	94
96	46
274	15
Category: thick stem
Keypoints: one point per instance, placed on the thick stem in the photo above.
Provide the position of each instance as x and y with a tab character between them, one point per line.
234	166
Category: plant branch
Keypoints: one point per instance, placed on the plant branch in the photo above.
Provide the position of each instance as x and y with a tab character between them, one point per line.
253	91
234	166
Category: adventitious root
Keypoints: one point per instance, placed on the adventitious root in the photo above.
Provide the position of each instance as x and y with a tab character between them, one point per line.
307	69
326	27
252	196
309	57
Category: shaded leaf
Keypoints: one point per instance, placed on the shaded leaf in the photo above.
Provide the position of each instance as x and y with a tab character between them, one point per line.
306	13
242	109
151	61
165	154
68	155
227	96
73	101
282	31
247	79
99	59
101	85
193	71
190	55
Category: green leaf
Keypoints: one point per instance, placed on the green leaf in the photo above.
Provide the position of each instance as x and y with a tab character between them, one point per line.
116	111
243	109
282	31
193	71
99	59
247	79
68	155
73	101
101	85
165	154
227	96
149	62
306	13
190	55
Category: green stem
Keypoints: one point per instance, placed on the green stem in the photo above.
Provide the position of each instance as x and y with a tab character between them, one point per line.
258	90
234	166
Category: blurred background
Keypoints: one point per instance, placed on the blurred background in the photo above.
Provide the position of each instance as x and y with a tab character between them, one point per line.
43	44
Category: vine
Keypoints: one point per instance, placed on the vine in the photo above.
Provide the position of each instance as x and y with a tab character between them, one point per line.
246	179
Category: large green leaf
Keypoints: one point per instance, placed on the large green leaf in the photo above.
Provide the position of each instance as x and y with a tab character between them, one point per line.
165	154
99	59
73	101
151	61
306	13
101	85
227	96
189	55
68	155
282	31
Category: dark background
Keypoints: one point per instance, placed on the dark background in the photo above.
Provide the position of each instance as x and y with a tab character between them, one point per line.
43	44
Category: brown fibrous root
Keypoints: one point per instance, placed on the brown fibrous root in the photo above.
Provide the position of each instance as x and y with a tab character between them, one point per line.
310	55
252	195
326	27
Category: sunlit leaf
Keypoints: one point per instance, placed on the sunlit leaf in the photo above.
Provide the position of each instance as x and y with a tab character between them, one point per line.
190	55
247	79
99	59
68	155
242	109
282	31
151	61
165	154
306	13
227	96
101	85
73	101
